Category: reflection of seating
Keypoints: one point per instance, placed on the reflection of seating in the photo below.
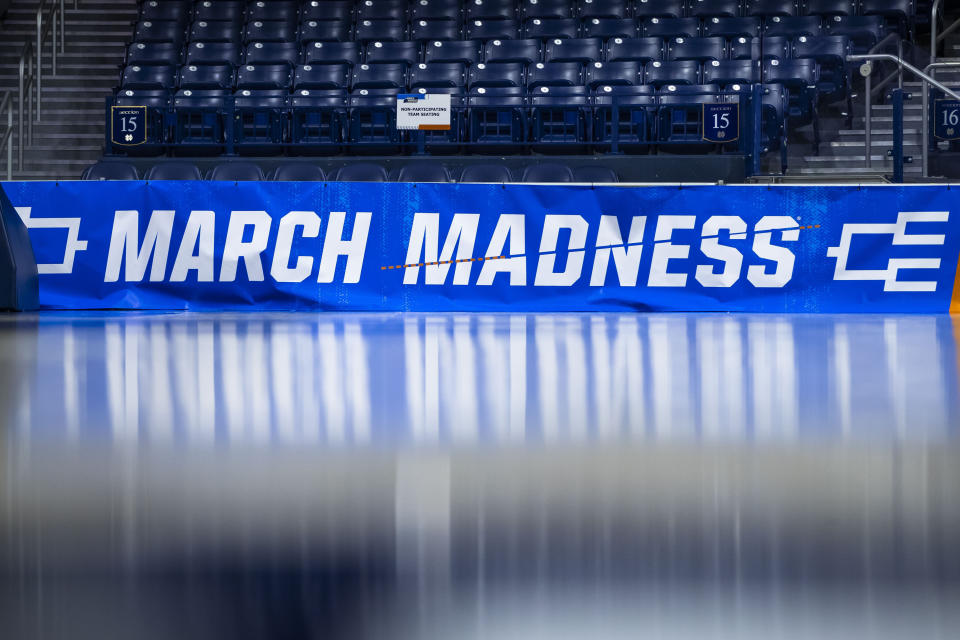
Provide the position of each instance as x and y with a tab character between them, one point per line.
485	173
362	172
547	172
173	171
235	171
110	171
423	172
594	174
298	172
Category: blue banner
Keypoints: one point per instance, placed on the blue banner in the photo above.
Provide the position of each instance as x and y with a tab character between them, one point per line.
468	247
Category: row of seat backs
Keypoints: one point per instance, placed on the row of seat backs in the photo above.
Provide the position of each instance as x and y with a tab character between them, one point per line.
346	10
203	34
581	50
357	172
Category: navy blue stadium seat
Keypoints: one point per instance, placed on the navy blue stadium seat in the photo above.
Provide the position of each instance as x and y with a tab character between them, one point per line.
382	30
602	8
110	171
263	76
235	171
490	173
273	10
154	53
378	76
324	31
642	50
830	52
792	27
427	30
435	10
582	50
272	53
298	172
681	113
501	74
497	115
710	8
700	49
270	31
468	52
327	10
525	51
434	75
614	74
231	10
630	122
605	28
322	76
546	8
671	27
379	9
679	72
544	28
490	9
559	117
492	29
406	53
173	171
595	174
259	115
165	10
554	74
796	75
776	47
148	77
332	53
423	172
729	72
547	172
863	31
215	31
159	31
318	119
899	10
830	7
213	53
767	8
156	98
206	76
658	8
732	27
362	172
199	117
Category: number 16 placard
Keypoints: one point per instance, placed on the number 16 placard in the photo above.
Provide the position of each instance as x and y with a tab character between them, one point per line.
946	119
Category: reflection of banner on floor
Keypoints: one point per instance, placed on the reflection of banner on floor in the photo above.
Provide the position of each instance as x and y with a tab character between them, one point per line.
364	246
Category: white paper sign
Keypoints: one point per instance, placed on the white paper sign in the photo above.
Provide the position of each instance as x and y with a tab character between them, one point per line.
425	111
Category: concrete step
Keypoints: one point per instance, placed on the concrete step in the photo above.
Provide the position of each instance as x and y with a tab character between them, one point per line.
855	160
853	171
847	133
886	144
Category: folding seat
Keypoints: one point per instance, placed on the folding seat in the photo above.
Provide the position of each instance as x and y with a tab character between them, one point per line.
501	74
492	29
768	8
324	31
154	10
776	47
671	27
435	10
830	7
728	72
361	172
259	115
236	172
602	9
666	73
712	8
699	49
594	174
553	74
298	172
900	11
681	112
373	118
791	27
469	52
525	51
271	10
153	98
863	31
332	53
434	30
406	53
423	172
544	28
558	117
213	53
219	10
547	172
327	10
582	50
199	118
830	52
270	31
490	10
159	31
546	9
658	8
272	53
732	27
485	173
154	53
216	31
624	73
380	30
110	170
318	120
382	9
609	28
263	76
642	50
378	76
322	76
148	77
796	74
205	76
497	118
173	170
434	75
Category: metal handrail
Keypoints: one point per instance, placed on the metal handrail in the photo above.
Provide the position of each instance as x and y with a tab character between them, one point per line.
934	11
6	141
24	88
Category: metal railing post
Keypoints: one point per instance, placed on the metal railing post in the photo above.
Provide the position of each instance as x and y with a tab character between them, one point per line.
30	100
9	140
38	79
63	29
925	133
933	30
53	46
20	119
868	122
898	159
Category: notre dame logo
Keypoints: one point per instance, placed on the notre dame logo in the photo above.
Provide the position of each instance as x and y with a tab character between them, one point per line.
128	125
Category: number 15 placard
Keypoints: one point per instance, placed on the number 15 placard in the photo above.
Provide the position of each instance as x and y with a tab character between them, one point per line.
128	125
